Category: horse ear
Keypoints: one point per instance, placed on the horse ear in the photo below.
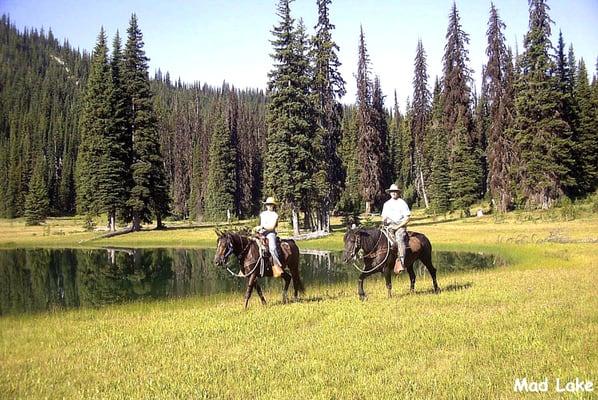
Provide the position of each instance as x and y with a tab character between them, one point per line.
218	232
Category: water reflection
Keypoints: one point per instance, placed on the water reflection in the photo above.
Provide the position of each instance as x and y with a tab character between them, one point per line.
48	279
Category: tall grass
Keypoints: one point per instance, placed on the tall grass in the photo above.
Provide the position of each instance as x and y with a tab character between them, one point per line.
534	318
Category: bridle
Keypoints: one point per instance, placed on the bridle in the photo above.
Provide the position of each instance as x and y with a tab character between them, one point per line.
357	247
231	249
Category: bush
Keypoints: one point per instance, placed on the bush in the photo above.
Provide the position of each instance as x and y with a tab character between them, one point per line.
568	211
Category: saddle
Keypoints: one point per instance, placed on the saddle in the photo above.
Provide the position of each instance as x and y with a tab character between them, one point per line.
391	237
263	245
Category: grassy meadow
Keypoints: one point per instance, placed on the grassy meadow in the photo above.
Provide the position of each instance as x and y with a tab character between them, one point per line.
534	318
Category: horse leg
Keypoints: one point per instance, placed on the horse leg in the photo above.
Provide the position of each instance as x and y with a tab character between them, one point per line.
427	260
360	291
259	292
250	284
285	290
411	278
388	278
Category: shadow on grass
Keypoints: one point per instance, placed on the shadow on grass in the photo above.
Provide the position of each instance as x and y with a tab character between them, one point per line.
308	299
454	287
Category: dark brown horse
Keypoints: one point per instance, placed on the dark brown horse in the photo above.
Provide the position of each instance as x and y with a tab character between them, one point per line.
380	256
253	266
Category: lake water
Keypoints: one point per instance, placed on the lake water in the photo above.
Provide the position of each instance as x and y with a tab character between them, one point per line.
39	280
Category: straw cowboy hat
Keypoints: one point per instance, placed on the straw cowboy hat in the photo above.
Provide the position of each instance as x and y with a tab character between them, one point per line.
393	188
270	200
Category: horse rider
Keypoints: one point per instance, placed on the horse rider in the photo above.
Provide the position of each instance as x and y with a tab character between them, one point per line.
396	215
267	227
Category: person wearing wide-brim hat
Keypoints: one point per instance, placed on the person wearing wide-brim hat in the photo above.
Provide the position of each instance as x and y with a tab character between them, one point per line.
396	215
268	224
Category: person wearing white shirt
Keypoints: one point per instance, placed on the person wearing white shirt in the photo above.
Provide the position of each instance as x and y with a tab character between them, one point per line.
396	215
268	224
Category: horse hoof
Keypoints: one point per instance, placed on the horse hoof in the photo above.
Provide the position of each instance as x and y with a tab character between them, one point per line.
363	297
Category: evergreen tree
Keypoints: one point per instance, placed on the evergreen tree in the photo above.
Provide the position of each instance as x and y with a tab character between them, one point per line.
36	201
542	135
369	142
380	124
457	117
328	87
393	141
420	117
499	86
350	200
289	164
439	191
586	145
464	177
220	196
96	123
456	93
149	193
113	171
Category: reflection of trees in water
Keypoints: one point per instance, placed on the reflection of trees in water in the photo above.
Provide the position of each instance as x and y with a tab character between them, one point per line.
39	279
114	276
45	279
195	273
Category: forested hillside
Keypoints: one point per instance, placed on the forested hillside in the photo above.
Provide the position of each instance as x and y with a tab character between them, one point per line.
94	134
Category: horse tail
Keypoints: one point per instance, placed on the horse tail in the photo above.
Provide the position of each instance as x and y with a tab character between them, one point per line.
293	264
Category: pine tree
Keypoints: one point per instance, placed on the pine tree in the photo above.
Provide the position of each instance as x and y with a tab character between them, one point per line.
439	190
456	93
499	86
380	124
350	200
586	145
220	197
369	142
289	164
457	118
96	123
36	202
149	193
542	135
113	171
464	176
420	117
328	87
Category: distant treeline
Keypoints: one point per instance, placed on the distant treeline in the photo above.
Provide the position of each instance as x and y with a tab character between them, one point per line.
528	139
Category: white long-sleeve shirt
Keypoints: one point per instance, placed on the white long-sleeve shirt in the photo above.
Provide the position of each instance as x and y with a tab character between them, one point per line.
268	220
396	211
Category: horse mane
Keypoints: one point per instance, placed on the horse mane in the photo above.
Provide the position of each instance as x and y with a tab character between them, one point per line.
369	237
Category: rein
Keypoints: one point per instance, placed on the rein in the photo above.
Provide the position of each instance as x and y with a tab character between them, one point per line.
365	271
240	274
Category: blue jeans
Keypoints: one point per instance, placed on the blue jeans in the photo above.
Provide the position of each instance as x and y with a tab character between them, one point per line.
272	247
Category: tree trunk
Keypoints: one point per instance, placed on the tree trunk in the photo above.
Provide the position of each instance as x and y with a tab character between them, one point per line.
295	219
112	221
423	187
368	208
136	226
159	224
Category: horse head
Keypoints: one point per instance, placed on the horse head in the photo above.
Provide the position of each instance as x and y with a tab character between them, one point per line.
352	240
224	247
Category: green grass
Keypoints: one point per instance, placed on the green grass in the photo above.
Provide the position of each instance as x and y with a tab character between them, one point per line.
534	318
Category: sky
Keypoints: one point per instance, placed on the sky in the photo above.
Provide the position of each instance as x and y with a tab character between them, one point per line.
212	41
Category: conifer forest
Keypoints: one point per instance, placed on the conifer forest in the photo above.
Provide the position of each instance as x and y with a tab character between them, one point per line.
99	134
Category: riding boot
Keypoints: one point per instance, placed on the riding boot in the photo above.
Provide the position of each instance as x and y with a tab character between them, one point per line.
276	270
399	265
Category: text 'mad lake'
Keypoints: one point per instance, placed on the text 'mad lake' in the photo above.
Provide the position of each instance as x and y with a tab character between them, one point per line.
38	280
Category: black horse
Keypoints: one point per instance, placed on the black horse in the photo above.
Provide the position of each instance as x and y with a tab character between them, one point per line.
379	256
247	251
